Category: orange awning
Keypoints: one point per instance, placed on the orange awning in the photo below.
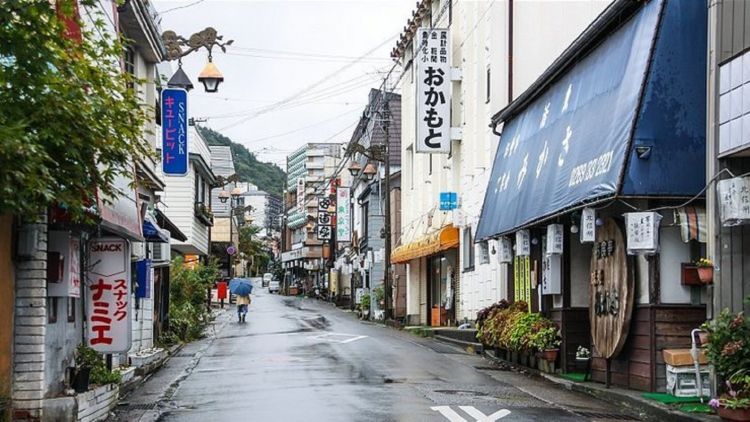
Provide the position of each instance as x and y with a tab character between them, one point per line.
445	238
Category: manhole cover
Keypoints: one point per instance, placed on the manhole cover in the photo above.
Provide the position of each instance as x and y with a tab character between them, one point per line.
611	416
465	393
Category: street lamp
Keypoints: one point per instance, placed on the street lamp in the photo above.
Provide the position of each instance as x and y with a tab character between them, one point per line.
354	168
370	171
210	77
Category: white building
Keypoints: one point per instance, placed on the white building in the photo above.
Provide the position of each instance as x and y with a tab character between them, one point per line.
453	278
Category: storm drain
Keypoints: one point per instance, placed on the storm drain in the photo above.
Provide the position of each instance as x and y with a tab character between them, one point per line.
137	406
610	416
465	393
492	368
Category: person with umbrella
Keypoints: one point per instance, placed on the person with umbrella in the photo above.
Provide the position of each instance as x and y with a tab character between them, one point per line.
241	287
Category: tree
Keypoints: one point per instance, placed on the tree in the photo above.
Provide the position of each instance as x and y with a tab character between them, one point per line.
254	248
70	118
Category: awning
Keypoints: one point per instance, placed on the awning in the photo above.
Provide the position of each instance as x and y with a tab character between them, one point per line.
622	114
168	225
443	239
152	232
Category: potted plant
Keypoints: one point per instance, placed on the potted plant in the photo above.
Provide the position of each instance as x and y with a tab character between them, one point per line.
728	350
547	341
93	370
705	270
364	305
583	356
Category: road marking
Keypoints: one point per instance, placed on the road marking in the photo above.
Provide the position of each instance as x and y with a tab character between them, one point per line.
481	417
340	338
449	413
472	411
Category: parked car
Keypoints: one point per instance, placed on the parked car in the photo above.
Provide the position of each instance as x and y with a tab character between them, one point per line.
267	277
274	286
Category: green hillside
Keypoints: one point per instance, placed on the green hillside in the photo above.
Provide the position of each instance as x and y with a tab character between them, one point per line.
267	176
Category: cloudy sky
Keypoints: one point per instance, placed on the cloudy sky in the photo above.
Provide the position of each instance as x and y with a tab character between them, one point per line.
298	71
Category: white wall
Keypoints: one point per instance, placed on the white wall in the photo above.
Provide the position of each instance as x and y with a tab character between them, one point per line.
673	252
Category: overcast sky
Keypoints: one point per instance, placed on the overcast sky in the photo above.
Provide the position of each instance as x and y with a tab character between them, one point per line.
281	48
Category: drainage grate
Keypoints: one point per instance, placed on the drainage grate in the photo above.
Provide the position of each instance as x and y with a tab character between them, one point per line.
602	415
136	406
492	368
465	393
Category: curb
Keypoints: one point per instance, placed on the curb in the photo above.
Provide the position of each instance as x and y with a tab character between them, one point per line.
477	348
647	410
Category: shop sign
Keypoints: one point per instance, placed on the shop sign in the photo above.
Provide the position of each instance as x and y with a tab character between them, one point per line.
734	201
325	218
301	193
643	232
343	215
66	248
522	278
555	239
611	292
448	201
144	275
551	274
505	250
523	243
433	77
588	225
174	125
108	296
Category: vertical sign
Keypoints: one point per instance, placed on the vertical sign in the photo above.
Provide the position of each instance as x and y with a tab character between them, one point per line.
433	91
734	200
325	219
174	125
588	225
523	243
554	239
301	193
343	216
108	296
74	272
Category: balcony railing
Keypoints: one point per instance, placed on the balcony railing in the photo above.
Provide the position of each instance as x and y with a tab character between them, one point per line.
204	214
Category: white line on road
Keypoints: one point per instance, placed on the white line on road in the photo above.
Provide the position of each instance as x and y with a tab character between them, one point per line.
481	417
449	413
340	338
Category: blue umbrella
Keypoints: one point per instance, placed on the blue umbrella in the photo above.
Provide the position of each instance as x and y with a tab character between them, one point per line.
240	286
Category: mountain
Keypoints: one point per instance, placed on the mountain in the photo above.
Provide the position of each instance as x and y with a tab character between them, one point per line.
267	176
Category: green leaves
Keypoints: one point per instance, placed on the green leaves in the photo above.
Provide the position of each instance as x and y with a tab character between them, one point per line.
68	122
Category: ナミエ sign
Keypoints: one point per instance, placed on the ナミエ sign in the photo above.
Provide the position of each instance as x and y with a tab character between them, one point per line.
174	125
108	296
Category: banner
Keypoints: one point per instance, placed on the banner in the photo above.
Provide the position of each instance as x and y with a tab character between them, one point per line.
108	296
433	82
343	216
174	126
325	219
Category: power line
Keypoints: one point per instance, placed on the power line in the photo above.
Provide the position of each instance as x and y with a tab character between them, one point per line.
299	129
182	7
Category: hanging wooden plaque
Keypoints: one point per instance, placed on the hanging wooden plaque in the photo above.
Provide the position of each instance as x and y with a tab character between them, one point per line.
611	291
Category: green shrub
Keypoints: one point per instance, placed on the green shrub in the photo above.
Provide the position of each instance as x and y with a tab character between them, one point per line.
188	314
90	358
728	346
364	302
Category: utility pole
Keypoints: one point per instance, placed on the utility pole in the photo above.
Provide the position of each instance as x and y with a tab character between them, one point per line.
387	258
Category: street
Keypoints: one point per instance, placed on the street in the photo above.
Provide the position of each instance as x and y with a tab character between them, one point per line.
300	359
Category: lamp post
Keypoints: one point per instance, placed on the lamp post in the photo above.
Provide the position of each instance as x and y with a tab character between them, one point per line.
178	47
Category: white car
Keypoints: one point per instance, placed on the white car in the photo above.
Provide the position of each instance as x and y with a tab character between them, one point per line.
273	286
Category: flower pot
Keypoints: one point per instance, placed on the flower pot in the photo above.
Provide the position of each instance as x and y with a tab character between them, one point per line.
706	274
81	379
550	355
582	365
735	415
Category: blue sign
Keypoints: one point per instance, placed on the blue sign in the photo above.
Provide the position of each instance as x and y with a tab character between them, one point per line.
569	145
143	278
174	127
448	201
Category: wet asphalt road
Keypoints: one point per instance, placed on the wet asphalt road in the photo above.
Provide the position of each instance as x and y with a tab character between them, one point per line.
304	360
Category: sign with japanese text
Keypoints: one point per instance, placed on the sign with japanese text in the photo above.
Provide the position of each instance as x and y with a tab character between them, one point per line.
325	218
523	243
67	248
554	239
505	250
108	296
551	274
301	193
448	201
433	84
174	126
734	200
642	232
343	216
588	225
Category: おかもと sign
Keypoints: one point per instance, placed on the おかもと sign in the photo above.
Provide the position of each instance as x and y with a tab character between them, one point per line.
433	81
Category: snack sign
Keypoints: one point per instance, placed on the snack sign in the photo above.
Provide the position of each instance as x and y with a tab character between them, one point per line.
108	322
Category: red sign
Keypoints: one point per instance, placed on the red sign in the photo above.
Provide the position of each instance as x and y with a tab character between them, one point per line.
108	296
221	289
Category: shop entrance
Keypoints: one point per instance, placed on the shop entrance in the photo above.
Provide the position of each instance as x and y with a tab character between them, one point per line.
441	292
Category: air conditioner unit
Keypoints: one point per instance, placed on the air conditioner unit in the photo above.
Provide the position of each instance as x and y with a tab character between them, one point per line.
160	252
